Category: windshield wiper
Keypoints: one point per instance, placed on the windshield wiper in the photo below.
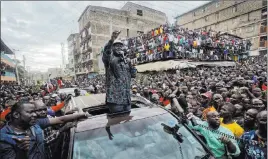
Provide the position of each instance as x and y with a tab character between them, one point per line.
173	131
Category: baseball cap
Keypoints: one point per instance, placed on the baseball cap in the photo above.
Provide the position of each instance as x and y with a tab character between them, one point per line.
118	42
207	94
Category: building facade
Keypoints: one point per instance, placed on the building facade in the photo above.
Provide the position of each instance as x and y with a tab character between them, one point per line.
55	72
8	72
263	32
96	25
35	76
241	18
74	57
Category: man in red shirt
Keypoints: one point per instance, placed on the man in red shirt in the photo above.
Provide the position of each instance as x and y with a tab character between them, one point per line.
60	82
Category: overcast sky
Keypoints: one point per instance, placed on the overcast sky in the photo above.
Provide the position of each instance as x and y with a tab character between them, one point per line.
36	29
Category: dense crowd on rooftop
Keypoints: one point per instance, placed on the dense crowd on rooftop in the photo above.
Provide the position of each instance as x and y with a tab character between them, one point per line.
169	42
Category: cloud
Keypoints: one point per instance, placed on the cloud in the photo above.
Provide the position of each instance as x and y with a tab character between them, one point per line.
37	28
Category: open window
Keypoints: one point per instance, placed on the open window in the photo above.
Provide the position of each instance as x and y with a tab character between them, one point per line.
139	12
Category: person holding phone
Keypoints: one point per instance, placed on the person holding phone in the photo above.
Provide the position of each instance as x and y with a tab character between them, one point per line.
119	72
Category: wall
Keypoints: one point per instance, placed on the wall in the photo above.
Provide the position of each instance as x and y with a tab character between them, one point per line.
221	16
103	21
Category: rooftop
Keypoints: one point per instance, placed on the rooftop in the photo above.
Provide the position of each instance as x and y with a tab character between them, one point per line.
131	3
111	9
204	5
5	48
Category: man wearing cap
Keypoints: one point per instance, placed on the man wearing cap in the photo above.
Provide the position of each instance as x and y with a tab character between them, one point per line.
205	101
119	72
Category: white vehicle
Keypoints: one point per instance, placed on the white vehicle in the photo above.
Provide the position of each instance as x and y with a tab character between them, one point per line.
71	91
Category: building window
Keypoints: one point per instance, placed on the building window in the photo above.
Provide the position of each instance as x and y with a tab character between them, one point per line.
140	32
206	18
234	32
139	12
217	4
234	9
206	9
217	15
127	32
250	28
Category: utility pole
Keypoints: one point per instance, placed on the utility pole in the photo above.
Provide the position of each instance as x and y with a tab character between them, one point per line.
28	74
16	65
24	71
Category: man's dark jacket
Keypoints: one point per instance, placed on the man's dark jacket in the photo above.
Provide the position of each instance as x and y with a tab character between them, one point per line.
118	77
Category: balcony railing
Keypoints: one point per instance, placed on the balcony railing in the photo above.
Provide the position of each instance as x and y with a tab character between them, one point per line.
264	3
263	29
263	44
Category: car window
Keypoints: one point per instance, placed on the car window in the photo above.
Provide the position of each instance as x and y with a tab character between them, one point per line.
143	139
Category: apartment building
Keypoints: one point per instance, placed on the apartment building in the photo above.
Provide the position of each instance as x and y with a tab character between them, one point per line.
263	32
74	56
96	25
55	72
241	18
7	64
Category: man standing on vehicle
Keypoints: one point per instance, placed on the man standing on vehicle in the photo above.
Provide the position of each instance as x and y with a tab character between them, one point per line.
119	72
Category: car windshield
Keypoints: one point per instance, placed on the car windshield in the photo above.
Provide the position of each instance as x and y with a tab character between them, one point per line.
143	139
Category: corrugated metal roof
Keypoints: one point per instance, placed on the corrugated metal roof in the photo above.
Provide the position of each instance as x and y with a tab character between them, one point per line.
5	48
179	64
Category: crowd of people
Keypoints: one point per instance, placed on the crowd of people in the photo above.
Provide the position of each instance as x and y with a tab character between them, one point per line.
217	100
168	42
231	100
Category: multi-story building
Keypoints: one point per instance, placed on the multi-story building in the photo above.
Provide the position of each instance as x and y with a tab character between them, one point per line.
74	57
7	64
263	32
96	25
241	18
55	72
35	76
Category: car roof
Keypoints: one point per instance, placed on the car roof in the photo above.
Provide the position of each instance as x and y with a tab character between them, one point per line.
90	101
103	120
94	100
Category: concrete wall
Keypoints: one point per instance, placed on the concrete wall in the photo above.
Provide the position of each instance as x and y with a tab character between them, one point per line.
221	16
73	50
103	21
55	72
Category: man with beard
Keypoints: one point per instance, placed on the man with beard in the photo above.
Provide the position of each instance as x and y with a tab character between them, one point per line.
146	93
250	119
258	104
218	101
256	92
118	71
22	138
50	134
238	117
205	104
212	132
246	102
254	145
227	112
